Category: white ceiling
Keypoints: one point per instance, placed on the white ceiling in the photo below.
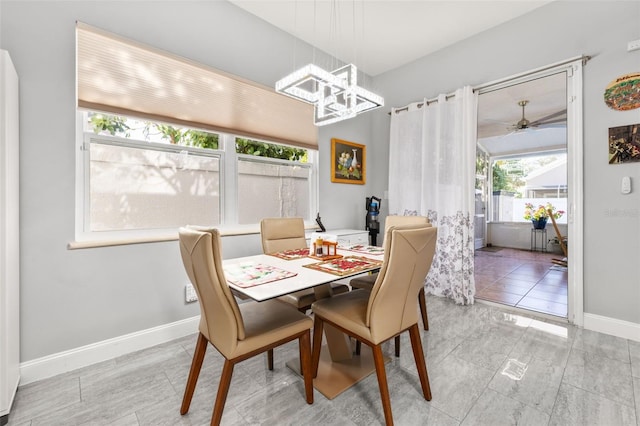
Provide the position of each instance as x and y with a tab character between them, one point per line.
380	35
499	110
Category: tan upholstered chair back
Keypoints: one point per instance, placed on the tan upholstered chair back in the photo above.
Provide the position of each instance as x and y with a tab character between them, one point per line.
278	234
408	255
394	220
220	320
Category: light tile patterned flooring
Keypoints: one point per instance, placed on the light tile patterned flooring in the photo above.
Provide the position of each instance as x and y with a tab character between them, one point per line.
523	279
474	355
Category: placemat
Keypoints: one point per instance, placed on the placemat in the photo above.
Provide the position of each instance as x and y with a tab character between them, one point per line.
346	265
250	274
361	248
291	254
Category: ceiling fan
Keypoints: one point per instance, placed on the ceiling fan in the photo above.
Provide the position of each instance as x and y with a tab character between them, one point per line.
547	121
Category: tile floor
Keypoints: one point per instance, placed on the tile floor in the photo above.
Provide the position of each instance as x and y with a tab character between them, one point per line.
487	366
521	278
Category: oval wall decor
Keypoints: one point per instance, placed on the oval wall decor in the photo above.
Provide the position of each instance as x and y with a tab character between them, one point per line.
623	93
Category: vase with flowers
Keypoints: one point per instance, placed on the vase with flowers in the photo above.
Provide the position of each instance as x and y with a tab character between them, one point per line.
539	215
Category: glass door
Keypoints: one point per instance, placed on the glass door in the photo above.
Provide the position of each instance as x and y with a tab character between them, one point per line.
480	218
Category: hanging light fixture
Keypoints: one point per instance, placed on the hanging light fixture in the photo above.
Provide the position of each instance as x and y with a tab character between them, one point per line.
335	95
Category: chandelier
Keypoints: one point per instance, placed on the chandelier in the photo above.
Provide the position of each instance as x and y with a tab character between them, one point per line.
335	95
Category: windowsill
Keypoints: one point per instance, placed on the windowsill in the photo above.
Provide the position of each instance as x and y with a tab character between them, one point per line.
75	245
230	231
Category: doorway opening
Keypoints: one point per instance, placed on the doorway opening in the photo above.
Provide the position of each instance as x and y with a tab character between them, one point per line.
528	160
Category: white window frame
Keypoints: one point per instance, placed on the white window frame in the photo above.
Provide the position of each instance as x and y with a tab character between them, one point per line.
228	159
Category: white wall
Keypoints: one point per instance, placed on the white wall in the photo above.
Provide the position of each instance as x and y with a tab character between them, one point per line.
519	236
552	33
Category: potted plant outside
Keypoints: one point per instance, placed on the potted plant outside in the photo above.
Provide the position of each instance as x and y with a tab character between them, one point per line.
539	215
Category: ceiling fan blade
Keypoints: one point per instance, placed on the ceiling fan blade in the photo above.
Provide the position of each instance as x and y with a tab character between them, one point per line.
494	121
542	123
549	117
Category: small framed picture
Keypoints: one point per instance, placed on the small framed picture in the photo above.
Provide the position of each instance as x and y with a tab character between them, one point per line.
348	162
624	144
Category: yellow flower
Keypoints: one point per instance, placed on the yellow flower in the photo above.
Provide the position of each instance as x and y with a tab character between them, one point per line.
541	212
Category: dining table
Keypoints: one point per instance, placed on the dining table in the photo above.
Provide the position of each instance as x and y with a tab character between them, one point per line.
268	276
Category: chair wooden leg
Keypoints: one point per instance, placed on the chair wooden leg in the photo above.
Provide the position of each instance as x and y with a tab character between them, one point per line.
421	366
422	301
378	359
300	356
194	372
396	342
270	359
358	347
305	365
223	390
304	311
317	345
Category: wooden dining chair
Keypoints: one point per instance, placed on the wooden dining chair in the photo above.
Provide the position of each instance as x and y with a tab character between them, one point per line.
389	309
366	281
238	332
287	233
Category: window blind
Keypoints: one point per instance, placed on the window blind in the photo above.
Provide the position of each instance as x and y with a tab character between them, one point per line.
124	77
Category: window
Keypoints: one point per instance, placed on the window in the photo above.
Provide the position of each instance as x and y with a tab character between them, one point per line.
144	178
538	180
189	163
272	189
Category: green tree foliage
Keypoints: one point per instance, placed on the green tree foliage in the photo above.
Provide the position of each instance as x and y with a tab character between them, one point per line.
201	139
117	126
187	137
500	181
173	134
481	164
109	123
506	179
263	149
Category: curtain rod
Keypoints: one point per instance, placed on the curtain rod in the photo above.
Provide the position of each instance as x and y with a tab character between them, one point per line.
421	104
483	87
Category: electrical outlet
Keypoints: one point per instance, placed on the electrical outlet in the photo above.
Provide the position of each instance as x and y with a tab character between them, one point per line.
633	45
190	293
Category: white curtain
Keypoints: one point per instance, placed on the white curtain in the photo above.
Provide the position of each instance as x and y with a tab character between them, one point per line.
432	173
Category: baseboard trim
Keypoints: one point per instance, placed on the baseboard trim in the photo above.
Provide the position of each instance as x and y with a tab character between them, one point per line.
62	362
612	326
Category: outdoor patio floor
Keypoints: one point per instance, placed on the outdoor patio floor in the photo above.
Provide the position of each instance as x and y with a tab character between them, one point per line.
521	278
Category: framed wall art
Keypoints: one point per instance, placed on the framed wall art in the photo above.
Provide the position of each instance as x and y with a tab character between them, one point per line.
623	93
348	162
624	144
